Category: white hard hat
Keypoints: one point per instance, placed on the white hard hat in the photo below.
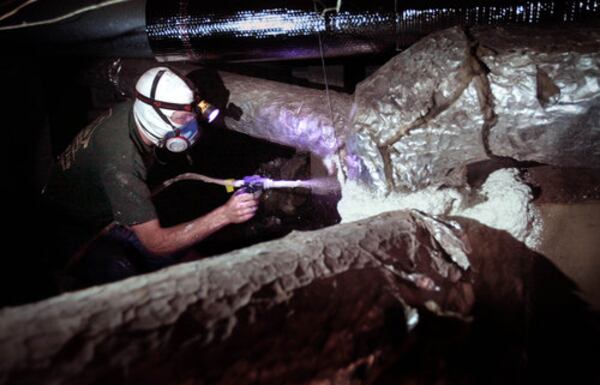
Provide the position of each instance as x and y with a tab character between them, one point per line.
169	88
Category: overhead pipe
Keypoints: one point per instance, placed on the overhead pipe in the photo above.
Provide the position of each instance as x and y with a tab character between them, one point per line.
274	30
257	30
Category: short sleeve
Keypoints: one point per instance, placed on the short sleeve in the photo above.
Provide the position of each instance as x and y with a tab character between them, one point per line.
129	196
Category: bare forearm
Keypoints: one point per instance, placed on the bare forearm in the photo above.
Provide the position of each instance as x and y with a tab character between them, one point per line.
162	241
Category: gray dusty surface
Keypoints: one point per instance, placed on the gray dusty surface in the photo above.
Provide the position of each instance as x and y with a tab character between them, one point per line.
570	240
162	325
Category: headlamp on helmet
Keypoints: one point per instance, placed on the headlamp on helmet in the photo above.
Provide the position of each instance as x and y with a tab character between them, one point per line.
207	110
200	107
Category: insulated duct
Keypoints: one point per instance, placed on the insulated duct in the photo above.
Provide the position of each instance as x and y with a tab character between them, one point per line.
452	99
260	30
275	30
455	98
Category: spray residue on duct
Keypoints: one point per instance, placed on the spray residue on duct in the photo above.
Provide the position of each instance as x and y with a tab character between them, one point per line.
505	204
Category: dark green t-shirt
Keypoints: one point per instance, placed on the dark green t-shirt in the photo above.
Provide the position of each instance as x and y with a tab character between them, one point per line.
101	176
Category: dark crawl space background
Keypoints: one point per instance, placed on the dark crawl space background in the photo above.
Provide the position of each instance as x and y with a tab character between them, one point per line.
47	100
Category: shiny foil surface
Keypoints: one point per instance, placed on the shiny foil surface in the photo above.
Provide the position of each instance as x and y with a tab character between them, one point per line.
296	116
394	102
452	99
546	94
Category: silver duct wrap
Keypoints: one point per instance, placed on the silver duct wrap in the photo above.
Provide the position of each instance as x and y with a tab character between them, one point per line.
451	99
417	117
435	107
546	94
295	116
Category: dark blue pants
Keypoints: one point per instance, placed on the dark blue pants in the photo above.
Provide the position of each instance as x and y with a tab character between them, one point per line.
117	255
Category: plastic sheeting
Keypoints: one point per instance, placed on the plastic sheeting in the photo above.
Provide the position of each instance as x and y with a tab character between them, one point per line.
452	99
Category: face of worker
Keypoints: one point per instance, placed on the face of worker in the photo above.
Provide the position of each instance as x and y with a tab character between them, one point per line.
182	117
187	125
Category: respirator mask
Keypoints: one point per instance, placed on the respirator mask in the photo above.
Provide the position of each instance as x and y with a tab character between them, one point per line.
180	136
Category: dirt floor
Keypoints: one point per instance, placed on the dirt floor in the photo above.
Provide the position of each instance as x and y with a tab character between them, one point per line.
571	239
569	203
568	200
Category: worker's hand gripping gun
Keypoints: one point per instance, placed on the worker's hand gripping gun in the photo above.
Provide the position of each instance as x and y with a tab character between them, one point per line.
253	184
256	184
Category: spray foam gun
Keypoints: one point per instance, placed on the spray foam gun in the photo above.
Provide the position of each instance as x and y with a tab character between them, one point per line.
256	184
253	184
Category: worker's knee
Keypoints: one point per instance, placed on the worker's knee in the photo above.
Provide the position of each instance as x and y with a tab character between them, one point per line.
107	261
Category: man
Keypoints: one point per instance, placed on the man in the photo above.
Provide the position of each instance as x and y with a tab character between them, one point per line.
101	179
